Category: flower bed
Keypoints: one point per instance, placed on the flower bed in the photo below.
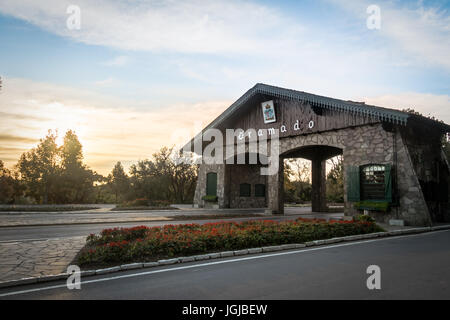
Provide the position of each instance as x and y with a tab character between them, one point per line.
149	244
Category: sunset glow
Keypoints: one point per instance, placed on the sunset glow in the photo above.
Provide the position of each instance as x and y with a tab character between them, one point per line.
127	93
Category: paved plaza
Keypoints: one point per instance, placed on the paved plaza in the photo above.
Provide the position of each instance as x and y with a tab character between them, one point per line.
23	259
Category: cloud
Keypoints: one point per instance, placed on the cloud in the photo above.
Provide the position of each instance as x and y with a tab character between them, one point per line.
235	44
427	104
230	26
10	156
118	61
110	130
422	32
7	115
14	138
190	26
106	83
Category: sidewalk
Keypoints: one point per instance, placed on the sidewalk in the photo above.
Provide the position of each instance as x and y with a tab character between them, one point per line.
24	259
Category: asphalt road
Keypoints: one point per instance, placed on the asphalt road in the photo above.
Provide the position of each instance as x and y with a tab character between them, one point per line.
412	267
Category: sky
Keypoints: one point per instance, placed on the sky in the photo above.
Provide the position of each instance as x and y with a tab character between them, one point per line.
130	77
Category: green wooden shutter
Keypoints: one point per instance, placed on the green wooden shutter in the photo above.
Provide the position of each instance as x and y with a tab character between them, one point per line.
211	184
353	184
388	183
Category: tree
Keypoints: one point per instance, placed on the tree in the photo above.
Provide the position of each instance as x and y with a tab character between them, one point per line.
39	169
119	182
55	174
297	182
71	151
301	169
77	180
288	187
335	180
167	176
9	185
183	177
179	172
147	182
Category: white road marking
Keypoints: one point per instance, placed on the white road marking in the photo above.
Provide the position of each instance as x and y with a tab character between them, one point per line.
220	262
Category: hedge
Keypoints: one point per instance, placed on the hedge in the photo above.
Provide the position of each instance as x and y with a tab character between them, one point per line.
143	243
210	198
372	205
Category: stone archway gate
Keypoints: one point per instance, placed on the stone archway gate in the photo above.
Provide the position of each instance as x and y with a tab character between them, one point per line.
394	167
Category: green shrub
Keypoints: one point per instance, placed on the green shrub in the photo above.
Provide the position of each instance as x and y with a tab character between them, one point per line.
141	202
372	205
363	218
160	203
210	198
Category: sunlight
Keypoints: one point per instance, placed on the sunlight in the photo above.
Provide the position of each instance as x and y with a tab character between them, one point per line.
63	120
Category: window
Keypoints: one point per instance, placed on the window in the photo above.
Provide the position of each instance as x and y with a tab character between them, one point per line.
369	182
260	190
211	184
372	182
244	190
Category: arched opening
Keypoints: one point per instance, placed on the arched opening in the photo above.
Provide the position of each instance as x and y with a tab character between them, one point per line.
307	172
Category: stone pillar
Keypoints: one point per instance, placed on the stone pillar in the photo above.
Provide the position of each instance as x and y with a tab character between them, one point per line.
413	207
275	201
221	192
318	194
226	187
200	189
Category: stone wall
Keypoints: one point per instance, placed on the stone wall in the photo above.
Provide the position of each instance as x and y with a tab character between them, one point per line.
200	189
412	206
373	144
361	145
425	150
229	178
246	174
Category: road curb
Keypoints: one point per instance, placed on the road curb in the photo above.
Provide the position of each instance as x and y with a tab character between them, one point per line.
216	255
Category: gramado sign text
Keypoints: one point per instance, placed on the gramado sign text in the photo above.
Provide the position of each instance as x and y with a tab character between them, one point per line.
271	131
268	112
220	149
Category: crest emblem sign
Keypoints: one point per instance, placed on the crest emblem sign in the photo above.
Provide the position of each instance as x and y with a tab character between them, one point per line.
268	110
